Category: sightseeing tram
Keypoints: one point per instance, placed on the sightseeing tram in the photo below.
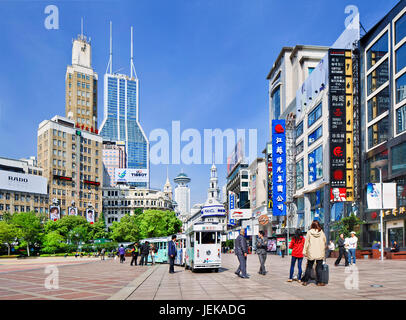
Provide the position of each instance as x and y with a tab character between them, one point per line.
203	246
180	249
161	243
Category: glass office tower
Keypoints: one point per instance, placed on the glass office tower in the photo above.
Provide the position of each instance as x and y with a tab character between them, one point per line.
121	121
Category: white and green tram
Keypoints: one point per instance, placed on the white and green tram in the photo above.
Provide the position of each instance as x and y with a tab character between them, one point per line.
203	246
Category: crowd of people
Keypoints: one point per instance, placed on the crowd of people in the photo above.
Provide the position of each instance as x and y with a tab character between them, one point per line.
313	247
144	251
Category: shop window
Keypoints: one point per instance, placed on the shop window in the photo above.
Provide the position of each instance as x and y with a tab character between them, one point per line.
401	119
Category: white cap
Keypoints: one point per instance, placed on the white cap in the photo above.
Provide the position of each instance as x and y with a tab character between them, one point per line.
352	232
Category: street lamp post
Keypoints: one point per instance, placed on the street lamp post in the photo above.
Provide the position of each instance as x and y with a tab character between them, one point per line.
379	165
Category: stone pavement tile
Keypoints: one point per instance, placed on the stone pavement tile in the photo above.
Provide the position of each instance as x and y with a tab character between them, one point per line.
76	295
15	297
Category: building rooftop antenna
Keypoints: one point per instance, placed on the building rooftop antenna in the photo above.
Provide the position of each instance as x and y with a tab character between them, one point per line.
110	64
132	68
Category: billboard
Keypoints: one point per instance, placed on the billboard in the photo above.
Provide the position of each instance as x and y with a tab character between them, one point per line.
236	156
72	211
22	182
278	167
374	198
269	175
341	125
241	214
130	175
90	215
54	213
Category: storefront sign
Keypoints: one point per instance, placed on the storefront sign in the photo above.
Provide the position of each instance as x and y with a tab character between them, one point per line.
263	220
241	214
279	167
341	125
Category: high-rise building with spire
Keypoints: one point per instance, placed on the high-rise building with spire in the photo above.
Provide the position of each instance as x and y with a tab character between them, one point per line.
168	187
81	86
121	115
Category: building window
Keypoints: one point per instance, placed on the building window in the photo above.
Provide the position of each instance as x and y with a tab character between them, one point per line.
398	158
310	70
378	104
314	115
400	58
377	51
299	129
401	88
315	165
299	175
401	119
378	77
276	103
400	28
299	147
378	132
316	134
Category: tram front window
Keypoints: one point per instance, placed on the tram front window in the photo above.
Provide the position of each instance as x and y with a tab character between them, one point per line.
208	237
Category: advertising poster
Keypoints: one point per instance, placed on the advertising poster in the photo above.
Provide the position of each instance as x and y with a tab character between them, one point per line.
54	213
72	211
338	194
90	215
374	200
130	175
279	168
272	245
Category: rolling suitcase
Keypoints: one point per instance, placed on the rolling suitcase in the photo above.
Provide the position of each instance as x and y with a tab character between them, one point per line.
324	273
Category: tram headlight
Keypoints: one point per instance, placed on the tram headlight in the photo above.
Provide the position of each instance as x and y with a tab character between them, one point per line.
208	252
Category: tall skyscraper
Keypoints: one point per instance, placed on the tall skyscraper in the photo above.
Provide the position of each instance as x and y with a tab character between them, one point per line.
121	115
81	86
182	194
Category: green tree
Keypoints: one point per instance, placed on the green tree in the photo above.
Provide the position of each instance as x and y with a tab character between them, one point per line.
348	224
98	229
157	223
125	230
66	225
8	234
137	211
29	227
53	242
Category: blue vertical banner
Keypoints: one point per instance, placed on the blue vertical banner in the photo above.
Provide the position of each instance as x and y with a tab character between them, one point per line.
278	167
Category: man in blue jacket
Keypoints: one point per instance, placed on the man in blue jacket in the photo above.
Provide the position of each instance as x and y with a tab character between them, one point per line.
172	254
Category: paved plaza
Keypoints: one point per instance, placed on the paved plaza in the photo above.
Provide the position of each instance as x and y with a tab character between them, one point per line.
92	279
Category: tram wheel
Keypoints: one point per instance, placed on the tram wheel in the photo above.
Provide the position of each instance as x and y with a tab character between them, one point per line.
216	270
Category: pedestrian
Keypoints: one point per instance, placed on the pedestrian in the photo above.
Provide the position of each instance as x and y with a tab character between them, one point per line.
144	253
352	246
314	250
261	244
376	245
341	250
283	249
331	248
121	252
172	254
395	247
241	250
134	254
296	245
102	253
153	252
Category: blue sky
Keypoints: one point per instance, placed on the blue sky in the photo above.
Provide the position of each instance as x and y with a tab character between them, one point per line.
202	62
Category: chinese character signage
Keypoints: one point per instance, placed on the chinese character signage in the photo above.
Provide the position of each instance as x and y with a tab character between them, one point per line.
269	177
341	125
279	168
